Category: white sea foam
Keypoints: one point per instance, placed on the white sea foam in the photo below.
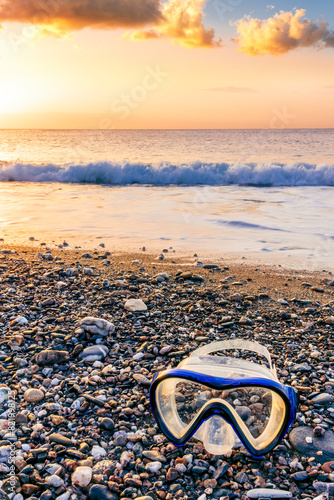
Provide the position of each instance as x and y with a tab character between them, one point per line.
192	174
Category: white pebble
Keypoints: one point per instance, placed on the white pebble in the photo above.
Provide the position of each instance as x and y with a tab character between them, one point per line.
55	481
64	496
98	451
82	476
138	356
153	466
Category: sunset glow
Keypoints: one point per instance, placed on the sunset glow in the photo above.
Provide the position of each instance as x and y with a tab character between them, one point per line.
171	64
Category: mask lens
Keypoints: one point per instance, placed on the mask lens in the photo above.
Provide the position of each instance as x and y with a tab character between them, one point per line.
259	412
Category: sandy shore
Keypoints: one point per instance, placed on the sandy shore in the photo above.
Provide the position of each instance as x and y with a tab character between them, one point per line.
72	411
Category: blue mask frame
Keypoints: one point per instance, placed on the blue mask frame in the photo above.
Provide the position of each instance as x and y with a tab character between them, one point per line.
289	395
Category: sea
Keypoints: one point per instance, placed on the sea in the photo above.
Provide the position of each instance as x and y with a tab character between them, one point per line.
264	195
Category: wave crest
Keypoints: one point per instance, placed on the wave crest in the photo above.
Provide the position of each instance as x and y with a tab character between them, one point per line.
192	174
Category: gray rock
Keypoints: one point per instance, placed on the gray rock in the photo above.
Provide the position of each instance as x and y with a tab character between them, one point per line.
302	367
221	470
94	353
300	476
100	492
107	423
244	412
323	398
325	443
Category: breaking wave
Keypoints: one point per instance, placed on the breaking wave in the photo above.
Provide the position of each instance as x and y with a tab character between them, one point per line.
192	174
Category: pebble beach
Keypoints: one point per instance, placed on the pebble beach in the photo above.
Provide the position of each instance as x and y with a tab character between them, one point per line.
83	333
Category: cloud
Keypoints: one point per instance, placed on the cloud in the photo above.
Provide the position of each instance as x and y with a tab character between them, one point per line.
281	33
232	89
179	20
79	14
183	24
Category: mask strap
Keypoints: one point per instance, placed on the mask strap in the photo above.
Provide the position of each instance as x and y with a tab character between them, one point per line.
234	344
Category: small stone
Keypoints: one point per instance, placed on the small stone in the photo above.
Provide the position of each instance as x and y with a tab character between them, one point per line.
82	476
97	326
172	474
60	439
50	357
210	483
302	367
154	455
141	379
125	459
21	320
98	451
30	489
33	395
241	477
268	493
300	476
318	289
244	412
153	467
244	320
101	492
94	353
107	423
323	399
55	481
138	356
328	466
319	431
134	305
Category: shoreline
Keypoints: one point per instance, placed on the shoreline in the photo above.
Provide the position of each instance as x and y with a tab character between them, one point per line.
75	412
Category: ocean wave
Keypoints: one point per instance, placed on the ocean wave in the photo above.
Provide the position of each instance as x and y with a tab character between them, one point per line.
192	174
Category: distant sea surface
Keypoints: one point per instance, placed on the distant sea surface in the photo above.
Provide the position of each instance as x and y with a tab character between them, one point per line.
267	194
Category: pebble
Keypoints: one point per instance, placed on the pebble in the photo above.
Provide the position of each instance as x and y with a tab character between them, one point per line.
323	399
98	451
33	395
101	492
268	493
21	320
153	466
49	357
55	481
94	361
141	379
82	476
60	439
134	305
94	353
97	326
107	423
309	448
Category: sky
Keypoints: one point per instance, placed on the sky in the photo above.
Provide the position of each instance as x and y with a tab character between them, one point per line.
124	64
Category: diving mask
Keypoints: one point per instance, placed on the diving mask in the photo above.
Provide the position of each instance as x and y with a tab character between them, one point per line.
224	401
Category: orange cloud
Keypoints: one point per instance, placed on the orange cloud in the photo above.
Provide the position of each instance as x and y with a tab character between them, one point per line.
281	33
183	24
79	14
180	20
